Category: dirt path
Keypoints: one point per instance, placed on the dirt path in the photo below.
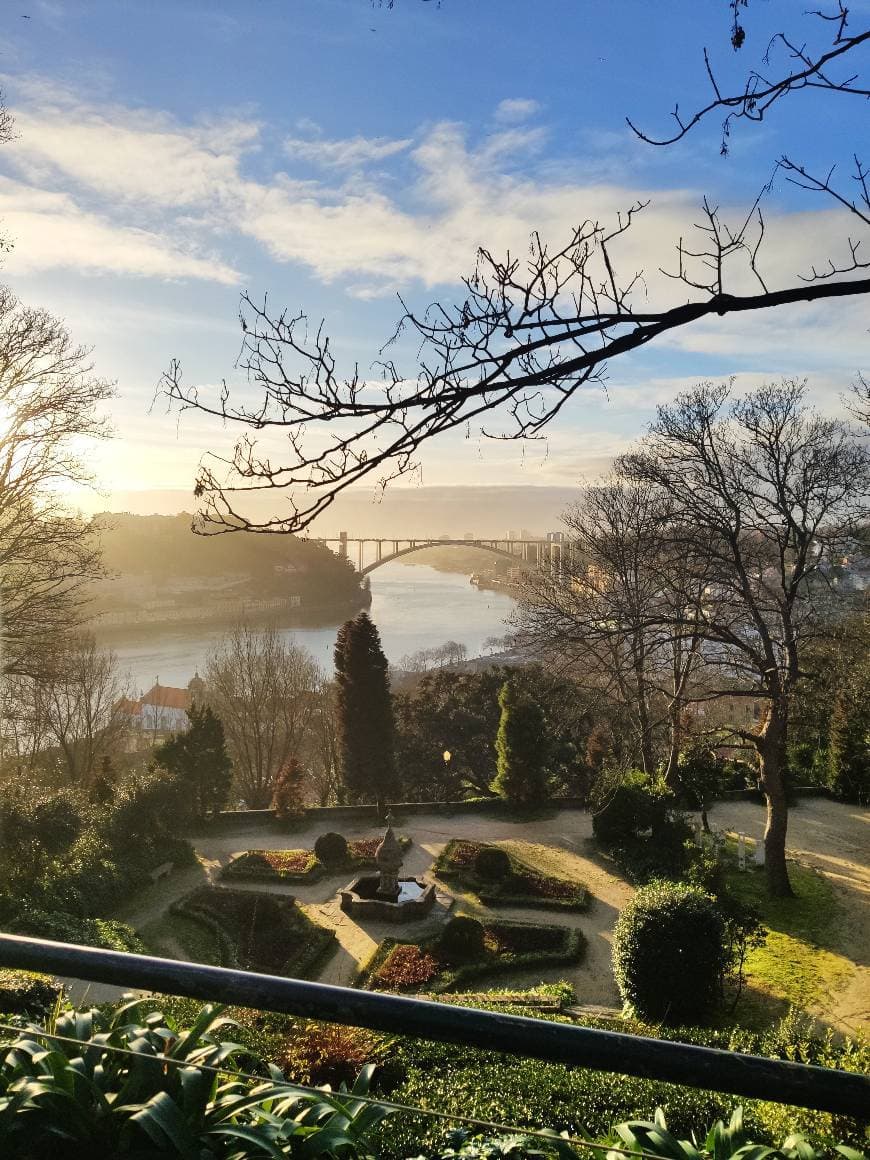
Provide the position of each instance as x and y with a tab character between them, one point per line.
835	839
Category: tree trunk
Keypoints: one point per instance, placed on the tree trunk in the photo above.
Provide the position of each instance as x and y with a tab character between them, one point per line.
771	747
675	741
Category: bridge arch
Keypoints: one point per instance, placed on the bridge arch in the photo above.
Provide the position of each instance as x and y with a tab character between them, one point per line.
424	545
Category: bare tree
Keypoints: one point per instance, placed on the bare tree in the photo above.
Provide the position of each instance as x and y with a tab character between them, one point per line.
322	749
612	615
69	716
769	492
261	686
527	333
49	402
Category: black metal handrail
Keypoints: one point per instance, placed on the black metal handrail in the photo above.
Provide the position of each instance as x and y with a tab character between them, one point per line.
802	1085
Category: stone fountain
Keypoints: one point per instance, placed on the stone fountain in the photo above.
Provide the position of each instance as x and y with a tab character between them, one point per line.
385	896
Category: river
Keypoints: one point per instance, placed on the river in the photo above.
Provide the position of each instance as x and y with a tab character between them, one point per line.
413	605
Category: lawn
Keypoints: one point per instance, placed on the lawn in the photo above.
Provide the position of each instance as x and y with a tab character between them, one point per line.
300	865
508	946
799	963
257	932
524	885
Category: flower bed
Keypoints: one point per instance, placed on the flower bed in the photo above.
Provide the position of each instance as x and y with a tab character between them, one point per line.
508	946
523	886
259	932
300	865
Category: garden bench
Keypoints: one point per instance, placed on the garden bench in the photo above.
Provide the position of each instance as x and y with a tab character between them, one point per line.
160	871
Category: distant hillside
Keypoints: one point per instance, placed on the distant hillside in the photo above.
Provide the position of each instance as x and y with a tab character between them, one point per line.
159	570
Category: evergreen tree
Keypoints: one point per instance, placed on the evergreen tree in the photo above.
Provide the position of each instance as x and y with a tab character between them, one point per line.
199	759
287	800
849	745
365	713
521	750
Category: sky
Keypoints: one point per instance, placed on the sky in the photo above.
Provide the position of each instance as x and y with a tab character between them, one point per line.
334	154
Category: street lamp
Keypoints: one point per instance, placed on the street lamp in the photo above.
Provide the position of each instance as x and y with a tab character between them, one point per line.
447	756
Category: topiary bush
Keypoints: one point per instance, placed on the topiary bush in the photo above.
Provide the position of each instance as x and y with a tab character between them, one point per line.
462	939
669	953
331	849
492	863
28	993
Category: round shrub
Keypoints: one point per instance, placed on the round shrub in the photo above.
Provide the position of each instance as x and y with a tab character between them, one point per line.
669	953
492	863
331	849
462	938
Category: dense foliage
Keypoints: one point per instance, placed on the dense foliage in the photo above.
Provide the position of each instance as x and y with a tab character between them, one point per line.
459	712
68	861
670	953
288	799
26	992
198	758
365	713
462	938
331	848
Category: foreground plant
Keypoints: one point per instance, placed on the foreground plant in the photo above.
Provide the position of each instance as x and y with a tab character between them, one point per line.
100	1085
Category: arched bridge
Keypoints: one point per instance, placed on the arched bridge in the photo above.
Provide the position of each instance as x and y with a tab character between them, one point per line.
383	550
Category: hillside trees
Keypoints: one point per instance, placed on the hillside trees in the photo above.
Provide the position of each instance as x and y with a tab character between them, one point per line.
49	402
199	759
527	333
365	713
261	687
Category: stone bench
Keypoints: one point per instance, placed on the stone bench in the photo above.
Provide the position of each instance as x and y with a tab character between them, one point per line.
160	871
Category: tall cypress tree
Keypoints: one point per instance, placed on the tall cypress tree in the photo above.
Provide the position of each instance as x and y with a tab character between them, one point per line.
365	713
521	749
849	745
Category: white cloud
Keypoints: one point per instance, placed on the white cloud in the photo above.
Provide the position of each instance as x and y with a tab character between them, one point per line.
516	109
348	153
51	231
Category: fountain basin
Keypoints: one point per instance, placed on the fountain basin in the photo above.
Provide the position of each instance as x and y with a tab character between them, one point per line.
360	898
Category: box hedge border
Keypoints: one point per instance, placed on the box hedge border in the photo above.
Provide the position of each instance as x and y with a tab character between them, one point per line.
466	878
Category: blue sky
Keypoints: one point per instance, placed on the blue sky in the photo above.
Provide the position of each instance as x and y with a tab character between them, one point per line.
334	154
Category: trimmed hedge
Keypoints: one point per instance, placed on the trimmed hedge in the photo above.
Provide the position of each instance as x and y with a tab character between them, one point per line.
566	946
669	952
522	886
257	865
28	993
258	931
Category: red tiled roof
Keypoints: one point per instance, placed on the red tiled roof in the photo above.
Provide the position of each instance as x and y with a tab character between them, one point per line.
165	697
125	705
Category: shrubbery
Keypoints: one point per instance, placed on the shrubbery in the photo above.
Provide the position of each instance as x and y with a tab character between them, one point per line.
331	849
669	952
462	938
28	993
492	863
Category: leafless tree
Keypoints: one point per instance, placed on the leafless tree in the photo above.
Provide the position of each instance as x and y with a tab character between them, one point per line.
262	687
769	492
527	332
49	402
322	753
71	712
618	615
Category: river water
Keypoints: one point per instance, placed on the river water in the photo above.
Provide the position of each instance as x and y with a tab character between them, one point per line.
414	607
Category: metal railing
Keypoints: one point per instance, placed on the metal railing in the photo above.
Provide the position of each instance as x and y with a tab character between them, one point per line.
802	1085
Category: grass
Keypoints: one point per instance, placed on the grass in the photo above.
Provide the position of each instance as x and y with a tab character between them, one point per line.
533	881
799	964
174	936
509	946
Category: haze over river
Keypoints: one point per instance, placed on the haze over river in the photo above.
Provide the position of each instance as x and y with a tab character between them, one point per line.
414	607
